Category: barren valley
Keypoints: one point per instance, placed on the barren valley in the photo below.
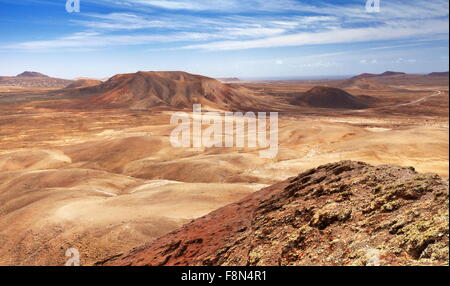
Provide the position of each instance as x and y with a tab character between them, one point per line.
90	165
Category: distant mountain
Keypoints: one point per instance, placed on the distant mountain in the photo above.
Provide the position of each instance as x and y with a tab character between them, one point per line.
439	74
386	73
31	74
329	97
34	79
229	79
390	73
365	75
360	83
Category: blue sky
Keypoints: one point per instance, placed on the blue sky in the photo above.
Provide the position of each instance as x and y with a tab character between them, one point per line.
223	38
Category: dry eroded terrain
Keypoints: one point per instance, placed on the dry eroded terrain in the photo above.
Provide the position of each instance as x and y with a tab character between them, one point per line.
105	181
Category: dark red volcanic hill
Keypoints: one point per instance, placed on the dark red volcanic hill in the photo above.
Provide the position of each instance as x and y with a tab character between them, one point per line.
346	213
391	73
386	73
329	97
144	90
31	74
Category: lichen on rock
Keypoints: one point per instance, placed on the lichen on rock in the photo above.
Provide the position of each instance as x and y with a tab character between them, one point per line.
344	213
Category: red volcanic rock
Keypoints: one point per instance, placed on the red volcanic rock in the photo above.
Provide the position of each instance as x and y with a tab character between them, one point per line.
144	90
346	213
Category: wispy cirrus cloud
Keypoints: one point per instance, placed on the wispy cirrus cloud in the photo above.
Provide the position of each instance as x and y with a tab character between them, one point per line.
398	9
119	21
283	23
294	36
401	31
217	5
96	40
125	29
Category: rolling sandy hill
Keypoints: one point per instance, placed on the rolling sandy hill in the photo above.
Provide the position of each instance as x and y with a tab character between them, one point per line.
346	213
329	97
105	181
143	90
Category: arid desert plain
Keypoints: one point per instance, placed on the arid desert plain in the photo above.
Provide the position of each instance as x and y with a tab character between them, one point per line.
89	165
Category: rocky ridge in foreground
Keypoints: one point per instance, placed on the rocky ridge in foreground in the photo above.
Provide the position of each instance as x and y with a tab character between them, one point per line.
345	213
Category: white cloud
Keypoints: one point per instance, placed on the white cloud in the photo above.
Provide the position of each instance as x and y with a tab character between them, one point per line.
95	40
318	64
119	21
393	9
403	61
176	5
400	31
238	38
252	32
217	5
230	30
